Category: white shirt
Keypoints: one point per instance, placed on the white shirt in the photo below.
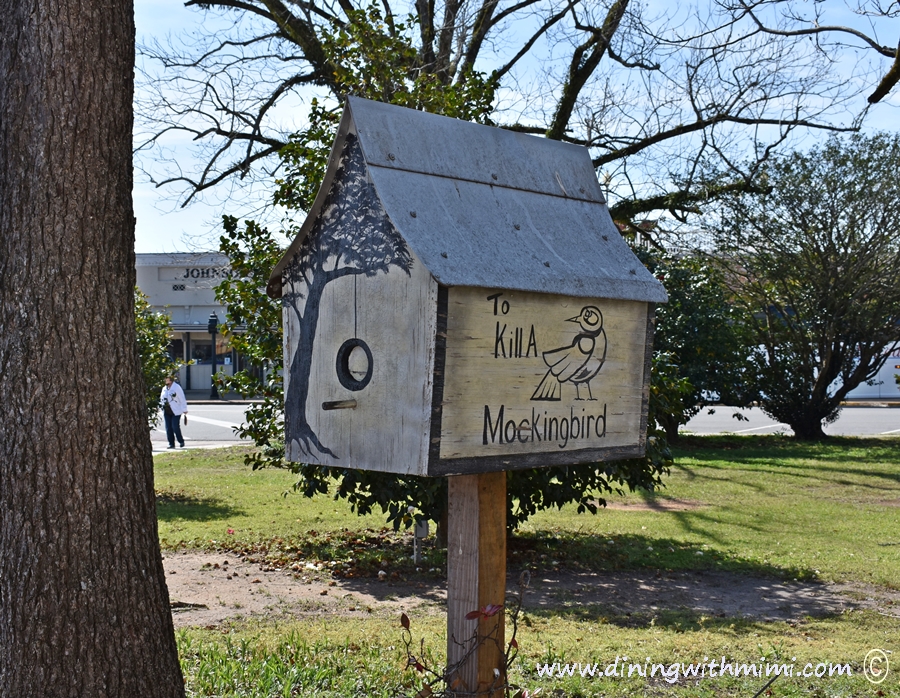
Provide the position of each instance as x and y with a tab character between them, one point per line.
174	395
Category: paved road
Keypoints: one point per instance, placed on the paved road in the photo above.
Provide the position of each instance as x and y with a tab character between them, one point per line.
210	426
853	421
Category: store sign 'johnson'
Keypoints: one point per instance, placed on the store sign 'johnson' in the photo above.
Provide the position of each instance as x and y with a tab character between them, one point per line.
197	276
206	273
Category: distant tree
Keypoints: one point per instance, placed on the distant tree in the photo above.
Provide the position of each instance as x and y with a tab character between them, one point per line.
813	261
252	253
84	609
153	348
701	332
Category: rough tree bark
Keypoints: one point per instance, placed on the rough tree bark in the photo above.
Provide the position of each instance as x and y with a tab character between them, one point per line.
84	609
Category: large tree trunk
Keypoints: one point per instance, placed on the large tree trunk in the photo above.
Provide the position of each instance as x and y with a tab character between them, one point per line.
808	427
84	610
671	426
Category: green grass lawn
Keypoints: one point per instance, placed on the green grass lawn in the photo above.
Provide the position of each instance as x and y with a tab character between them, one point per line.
202	494
351	657
768	504
757	505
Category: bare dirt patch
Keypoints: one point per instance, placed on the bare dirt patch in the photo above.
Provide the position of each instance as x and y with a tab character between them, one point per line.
707	593
209	588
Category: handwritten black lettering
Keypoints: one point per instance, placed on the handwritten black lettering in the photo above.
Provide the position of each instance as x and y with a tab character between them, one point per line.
506	431
532	344
535	429
565	429
493	428
498	342
600	434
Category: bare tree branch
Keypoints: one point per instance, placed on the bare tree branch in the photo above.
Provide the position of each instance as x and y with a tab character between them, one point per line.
540	32
208	182
659	100
640	144
479	31
585	60
888	82
816	30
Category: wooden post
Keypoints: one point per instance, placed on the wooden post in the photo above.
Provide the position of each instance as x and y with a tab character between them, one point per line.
476	578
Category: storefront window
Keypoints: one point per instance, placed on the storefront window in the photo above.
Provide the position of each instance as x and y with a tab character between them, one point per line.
195	350
176	350
201	350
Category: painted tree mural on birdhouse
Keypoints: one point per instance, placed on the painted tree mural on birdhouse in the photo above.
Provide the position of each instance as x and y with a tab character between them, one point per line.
352	237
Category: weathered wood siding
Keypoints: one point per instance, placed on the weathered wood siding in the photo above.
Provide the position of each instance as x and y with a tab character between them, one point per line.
388	429
521	378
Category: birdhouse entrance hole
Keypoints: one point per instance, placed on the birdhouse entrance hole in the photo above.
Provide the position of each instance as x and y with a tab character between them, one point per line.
354	364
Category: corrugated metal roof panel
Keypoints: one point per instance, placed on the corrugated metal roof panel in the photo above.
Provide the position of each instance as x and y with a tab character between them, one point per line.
406	139
471	234
456	192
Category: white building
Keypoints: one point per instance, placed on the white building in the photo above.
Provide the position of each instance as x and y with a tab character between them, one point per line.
885	387
182	285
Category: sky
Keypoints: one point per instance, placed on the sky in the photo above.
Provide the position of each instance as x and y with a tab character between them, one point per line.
163	226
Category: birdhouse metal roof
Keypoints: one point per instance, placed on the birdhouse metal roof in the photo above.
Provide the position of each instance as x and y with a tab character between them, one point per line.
487	207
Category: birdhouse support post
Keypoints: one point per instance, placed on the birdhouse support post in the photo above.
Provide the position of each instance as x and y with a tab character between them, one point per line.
476	581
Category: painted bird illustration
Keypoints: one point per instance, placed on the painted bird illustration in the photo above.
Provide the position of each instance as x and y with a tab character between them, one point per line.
578	362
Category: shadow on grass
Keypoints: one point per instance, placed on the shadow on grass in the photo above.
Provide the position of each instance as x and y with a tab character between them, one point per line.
181	506
864	463
590	552
677	620
347	554
690	585
364	553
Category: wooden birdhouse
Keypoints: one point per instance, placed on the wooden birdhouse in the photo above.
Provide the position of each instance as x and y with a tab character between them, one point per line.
459	301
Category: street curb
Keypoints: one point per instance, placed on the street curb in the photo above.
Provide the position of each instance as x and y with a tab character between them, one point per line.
876	403
224	402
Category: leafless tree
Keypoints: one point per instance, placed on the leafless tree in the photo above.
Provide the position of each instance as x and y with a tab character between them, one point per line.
660	99
810	20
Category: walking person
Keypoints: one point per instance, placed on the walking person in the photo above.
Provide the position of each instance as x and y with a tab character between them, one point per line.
174	405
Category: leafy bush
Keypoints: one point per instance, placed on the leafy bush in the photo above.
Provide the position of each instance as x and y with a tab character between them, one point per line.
153	348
